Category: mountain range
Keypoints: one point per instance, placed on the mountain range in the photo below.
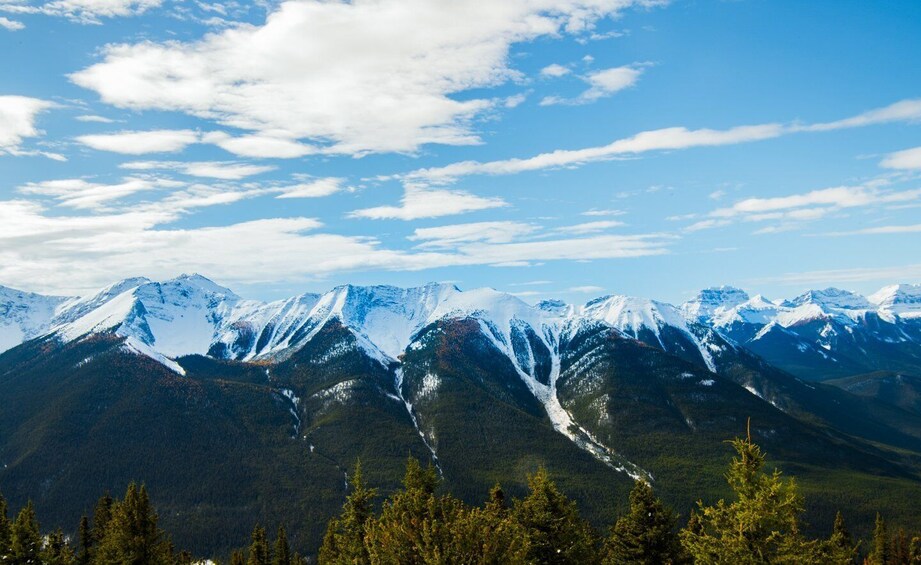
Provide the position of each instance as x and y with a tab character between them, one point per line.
245	410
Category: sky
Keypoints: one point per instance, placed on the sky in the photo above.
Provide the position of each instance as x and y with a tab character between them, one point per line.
548	148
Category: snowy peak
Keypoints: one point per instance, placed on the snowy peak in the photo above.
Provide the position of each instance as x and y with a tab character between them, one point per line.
630	314
712	302
831	298
24	315
902	300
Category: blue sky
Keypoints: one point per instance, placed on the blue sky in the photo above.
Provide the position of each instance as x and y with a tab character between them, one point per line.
548	148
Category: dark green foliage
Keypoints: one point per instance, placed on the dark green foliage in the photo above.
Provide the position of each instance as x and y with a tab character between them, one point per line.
760	526
345	536
282	553
26	539
85	540
879	553
6	533
258	547
237	558
645	536
556	532
132	536
56	550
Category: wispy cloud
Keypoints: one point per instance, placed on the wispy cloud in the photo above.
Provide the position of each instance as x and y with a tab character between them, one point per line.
601	83
141	142
224	170
907	159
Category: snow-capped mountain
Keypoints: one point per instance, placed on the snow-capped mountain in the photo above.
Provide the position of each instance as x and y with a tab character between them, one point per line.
818	334
25	315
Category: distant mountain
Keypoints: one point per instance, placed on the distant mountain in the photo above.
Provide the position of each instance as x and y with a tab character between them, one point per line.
245	410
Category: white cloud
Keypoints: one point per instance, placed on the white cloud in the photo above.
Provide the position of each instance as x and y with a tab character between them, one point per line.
601	84
837	276
11	25
588	289
92	250
17	121
880	230
603	212
82	194
224	170
454	235
907	159
93	118
902	111
259	146
428	203
554	70
397	66
141	142
313	189
794	209
83	11
590	227
654	140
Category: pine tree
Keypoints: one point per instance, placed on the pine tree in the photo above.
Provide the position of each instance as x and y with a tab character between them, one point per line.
841	546
646	536
879	555
282	553
56	550
258	548
760	526
237	558
86	541
131	536
900	548
184	558
344	541
556	532
6	539
487	535
102	514
26	541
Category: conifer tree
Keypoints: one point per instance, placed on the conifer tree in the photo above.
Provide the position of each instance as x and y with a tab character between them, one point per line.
760	526
26	540
85	539
237	558
258	548
900	548
879	555
131	536
282	553
102	514
841	546
646	536
6	533
556	532
344	541
56	550
487	535
414	526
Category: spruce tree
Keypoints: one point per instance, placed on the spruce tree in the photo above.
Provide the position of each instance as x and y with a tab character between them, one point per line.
6	533
85	536
841	546
258	548
237	558
645	536
102	514
344	541
556	532
26	541
131	536
760	526
282	553
56	550
879	555
415	526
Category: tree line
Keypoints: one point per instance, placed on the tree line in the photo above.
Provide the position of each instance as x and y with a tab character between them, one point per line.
760	524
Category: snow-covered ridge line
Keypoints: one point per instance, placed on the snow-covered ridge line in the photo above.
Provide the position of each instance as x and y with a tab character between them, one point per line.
192	315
